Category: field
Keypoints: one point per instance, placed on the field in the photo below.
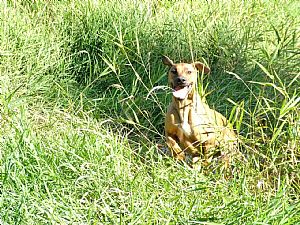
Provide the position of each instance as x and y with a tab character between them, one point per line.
83	96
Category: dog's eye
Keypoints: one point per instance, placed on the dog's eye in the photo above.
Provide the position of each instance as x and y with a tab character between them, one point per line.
174	71
189	72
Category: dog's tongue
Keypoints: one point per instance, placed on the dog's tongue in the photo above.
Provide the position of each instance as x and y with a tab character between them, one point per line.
181	93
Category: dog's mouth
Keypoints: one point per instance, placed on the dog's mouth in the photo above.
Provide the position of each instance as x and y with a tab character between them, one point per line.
182	91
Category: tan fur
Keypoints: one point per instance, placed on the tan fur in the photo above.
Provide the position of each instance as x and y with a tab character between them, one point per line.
193	129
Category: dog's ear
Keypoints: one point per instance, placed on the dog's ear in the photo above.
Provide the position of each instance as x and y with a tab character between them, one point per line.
201	67
167	61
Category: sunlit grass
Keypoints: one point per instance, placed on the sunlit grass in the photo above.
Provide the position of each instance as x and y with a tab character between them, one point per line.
82	102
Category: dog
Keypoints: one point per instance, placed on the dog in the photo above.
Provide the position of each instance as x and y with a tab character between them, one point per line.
194	132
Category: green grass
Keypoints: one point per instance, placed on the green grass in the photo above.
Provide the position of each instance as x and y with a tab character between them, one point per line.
80	116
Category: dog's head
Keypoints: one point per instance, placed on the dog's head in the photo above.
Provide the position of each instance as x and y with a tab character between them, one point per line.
182	77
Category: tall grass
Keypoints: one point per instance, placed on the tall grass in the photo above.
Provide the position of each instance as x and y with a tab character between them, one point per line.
82	102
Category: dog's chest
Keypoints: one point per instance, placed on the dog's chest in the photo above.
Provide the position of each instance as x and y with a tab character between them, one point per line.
185	129
192	124
184	122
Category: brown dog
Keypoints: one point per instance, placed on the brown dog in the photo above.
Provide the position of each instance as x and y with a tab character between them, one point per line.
193	130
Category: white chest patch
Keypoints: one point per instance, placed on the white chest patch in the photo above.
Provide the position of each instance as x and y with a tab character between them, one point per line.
186	128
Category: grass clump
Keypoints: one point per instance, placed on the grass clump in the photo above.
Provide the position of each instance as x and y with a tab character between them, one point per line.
81	114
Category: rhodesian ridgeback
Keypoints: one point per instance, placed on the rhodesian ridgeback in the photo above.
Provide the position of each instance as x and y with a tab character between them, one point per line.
194	132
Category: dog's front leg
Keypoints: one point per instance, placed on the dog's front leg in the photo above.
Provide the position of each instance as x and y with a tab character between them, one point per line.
177	152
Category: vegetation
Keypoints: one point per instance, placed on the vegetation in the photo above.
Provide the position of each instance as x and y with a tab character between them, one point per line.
82	103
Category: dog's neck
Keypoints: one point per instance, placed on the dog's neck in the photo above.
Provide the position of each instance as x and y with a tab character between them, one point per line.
184	107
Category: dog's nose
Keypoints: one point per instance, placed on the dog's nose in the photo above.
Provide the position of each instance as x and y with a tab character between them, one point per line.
180	80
